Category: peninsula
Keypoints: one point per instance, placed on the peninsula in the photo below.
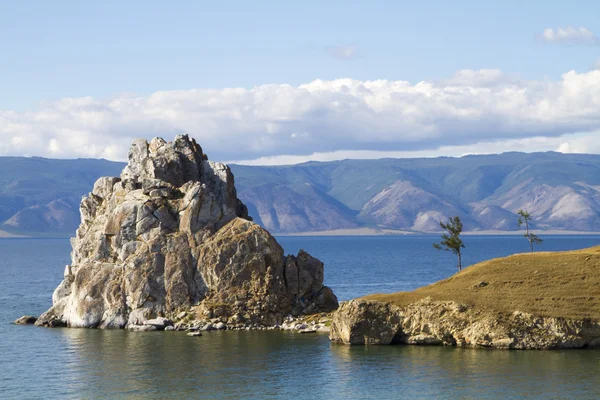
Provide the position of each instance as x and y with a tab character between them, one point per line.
543	300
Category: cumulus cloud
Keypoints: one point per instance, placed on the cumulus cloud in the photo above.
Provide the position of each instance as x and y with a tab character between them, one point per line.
318	117
342	52
570	35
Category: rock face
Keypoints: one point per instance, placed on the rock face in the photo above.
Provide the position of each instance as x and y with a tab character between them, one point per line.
428	322
170	233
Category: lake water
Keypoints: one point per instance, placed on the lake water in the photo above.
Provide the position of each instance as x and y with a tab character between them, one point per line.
83	363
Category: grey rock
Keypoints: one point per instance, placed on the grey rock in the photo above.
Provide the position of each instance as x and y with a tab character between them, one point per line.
141	328
169	234
26	320
220	326
208	327
429	322
194	334
159	322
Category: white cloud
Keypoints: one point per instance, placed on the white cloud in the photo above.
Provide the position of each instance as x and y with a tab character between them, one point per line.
342	52
581	144
471	108
570	35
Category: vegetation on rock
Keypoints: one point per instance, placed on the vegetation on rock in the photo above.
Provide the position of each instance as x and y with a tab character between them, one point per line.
525	218
451	240
528	301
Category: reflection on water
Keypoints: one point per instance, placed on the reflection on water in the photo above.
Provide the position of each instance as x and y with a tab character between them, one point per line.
229	365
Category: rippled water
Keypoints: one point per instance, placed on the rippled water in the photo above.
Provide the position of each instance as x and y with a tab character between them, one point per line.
83	363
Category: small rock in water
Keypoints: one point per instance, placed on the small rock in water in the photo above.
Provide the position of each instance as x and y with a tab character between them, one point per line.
169	328
160	323
141	328
26	320
194	334
300	327
208	327
221	326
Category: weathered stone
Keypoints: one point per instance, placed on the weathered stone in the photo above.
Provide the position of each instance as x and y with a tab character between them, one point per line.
208	327
366	322
26	320
141	328
160	323
428	322
103	187
220	326
169	234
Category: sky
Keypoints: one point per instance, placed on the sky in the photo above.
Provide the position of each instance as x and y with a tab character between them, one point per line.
273	82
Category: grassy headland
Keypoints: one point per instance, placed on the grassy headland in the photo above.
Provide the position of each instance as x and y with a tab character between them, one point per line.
553	284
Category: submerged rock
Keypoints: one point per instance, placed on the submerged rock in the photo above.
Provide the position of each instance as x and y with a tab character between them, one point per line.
26	320
169	234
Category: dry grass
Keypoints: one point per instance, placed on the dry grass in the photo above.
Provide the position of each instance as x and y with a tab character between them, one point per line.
555	284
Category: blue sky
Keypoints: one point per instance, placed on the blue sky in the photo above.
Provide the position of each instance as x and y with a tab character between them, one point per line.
108	50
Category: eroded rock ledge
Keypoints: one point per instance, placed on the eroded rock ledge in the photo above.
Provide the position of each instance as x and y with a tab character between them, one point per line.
170	234
428	322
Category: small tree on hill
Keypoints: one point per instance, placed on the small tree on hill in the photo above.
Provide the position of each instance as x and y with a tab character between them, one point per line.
451	240
524	218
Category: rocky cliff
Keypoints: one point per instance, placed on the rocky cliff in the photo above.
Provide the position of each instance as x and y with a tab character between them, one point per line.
525	301
428	322
170	233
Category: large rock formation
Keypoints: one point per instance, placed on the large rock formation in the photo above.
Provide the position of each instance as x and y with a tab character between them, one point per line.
170	234
429	322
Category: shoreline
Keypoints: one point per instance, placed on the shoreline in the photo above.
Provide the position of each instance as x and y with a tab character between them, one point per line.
357	232
391	232
8	235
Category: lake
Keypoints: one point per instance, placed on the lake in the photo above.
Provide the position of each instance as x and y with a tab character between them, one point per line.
84	363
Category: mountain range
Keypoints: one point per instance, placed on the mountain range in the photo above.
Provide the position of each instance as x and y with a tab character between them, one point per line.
561	191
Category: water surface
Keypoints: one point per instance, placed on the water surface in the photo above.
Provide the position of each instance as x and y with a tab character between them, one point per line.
85	363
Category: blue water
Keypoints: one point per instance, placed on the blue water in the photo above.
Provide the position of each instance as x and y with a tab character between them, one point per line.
360	265
82	363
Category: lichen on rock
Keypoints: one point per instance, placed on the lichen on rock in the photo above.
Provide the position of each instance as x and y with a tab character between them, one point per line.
169	234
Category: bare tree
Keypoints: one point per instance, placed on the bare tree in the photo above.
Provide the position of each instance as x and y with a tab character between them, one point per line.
524	218
451	241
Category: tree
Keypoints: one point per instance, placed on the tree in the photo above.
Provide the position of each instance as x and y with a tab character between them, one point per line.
451	241
524	218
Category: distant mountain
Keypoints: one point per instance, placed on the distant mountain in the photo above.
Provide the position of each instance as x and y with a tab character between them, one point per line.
561	191
42	196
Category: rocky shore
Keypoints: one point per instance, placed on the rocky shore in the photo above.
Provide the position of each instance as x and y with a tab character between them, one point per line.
169	238
429	322
525	301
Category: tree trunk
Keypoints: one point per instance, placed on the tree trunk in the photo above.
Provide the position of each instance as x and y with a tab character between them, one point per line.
530	243
528	236
459	262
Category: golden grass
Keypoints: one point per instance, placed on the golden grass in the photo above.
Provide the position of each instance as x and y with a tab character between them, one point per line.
553	284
